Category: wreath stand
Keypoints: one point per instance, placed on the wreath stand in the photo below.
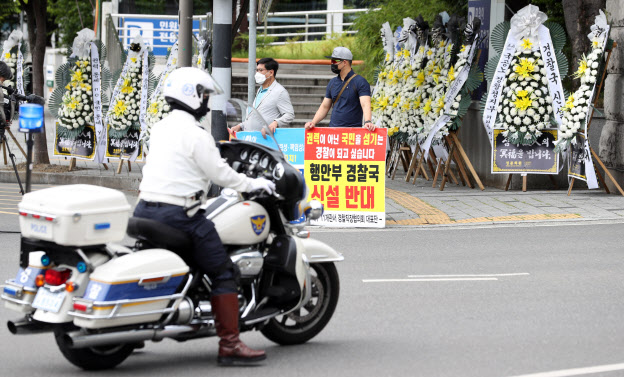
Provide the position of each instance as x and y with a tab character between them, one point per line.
524	181
121	166
4	147
417	167
72	164
594	154
447	173
456	151
398	152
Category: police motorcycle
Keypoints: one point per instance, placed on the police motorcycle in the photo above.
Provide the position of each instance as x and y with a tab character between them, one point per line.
101	300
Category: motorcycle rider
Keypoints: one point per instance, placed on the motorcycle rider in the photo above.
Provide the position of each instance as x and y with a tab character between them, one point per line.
183	159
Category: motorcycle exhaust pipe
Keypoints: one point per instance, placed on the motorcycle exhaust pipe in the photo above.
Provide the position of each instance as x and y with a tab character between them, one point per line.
77	339
28	326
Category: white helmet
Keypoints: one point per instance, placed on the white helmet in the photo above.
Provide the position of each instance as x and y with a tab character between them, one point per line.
188	89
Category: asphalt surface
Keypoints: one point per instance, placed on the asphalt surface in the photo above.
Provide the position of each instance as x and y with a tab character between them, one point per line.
435	301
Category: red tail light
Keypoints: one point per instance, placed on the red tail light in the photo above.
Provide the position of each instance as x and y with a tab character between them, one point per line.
57	277
80	307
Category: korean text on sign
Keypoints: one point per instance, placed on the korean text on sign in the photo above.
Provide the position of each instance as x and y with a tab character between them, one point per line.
344	170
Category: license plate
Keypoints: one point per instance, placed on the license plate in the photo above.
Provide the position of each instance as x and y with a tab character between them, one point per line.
48	301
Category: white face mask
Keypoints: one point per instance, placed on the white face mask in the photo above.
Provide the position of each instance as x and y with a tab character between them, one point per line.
260	78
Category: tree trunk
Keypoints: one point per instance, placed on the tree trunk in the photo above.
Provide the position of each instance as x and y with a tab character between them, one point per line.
611	147
36	13
38	57
579	16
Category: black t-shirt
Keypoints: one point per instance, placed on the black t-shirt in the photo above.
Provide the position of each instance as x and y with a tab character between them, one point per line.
347	112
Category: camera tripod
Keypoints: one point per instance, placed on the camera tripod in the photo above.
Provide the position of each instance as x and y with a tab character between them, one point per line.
3	139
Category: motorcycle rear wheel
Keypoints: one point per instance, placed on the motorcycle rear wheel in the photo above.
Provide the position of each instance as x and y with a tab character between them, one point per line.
93	358
302	325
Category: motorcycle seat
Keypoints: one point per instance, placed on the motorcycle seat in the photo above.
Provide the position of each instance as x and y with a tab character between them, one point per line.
158	235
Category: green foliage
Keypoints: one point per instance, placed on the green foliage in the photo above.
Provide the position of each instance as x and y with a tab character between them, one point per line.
368	39
64	133
499	35
71	16
9	12
293	50
490	67
557	34
475	78
242	40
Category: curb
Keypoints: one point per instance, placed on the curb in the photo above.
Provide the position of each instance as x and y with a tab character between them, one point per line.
118	183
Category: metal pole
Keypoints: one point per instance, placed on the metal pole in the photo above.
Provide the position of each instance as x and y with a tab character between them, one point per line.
185	52
307	18
221	65
251	66
29	158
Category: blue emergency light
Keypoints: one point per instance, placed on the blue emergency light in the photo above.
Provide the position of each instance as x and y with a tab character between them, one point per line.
30	118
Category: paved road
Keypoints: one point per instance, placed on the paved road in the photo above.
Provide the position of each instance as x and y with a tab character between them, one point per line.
477	301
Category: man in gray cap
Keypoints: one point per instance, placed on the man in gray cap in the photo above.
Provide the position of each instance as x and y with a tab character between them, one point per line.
348	93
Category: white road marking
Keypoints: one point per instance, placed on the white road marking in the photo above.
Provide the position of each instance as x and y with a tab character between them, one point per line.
432	279
577	371
469	275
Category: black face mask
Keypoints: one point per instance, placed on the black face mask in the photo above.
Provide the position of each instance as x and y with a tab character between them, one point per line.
335	69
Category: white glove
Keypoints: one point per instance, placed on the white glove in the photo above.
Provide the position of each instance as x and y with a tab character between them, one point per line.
262	184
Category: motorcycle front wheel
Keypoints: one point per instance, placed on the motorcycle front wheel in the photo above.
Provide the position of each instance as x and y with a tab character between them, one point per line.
93	358
305	323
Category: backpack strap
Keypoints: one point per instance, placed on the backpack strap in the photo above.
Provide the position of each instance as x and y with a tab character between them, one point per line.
343	88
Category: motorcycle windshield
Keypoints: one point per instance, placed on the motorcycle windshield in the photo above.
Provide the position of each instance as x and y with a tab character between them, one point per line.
292	184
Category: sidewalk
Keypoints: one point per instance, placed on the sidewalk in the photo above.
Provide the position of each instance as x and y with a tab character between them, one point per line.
406	204
420	204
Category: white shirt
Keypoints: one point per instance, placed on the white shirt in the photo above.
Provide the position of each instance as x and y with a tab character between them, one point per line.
183	159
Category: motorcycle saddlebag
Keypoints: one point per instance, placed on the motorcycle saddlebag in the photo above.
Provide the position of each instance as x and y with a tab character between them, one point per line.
135	288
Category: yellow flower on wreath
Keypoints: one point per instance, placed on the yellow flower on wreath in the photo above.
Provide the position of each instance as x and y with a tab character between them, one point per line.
420	78
462	48
427	108
582	68
523	101
119	109
451	75
436	74
77	76
439	106
406	106
73	103
397	101
127	86
595	43
153	108
525	68
569	103
417	102
380	104
7	55
526	44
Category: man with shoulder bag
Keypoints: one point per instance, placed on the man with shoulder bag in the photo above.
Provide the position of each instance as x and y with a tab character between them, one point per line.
348	94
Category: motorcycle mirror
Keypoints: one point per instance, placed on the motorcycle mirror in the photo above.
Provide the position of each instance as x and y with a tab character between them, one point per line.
316	210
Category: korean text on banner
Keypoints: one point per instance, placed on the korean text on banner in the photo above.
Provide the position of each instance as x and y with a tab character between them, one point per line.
290	142
344	170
